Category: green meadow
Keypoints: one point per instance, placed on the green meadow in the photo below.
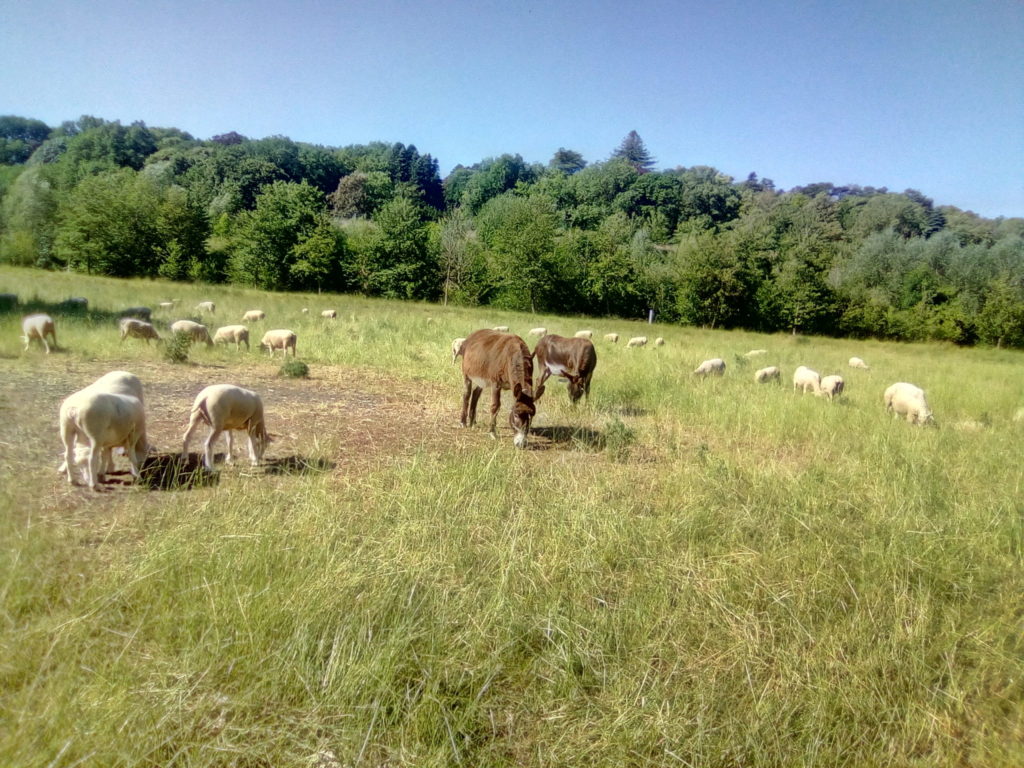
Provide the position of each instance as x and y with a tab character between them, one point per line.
680	572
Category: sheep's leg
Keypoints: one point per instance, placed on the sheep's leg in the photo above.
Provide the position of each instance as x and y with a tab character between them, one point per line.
95	457
252	451
68	433
193	425
231	444
208	449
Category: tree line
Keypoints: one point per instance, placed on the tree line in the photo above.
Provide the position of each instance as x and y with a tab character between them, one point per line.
613	237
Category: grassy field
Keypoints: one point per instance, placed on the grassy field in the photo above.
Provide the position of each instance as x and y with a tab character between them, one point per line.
681	572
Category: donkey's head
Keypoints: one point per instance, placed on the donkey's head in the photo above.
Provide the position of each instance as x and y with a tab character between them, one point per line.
523	411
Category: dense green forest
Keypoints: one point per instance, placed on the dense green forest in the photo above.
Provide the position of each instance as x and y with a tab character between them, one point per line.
613	237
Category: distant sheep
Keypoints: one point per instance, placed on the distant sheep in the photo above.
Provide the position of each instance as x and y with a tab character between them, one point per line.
501	328
253	315
903	399
232	334
457	348
831	386
206	306
102	421
771	373
659	342
804	378
713	367
38	327
139	313
612	337
195	331
756	353
330	313
279	339
138	329
856	362
637	341
538	332
584	334
167	304
225	408
305	310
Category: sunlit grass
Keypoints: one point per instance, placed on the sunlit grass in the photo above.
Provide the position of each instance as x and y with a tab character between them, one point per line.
697	572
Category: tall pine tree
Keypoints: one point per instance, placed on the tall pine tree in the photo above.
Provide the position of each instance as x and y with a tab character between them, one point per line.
635	151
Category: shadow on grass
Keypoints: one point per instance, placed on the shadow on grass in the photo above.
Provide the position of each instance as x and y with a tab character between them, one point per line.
169	472
298	465
580	438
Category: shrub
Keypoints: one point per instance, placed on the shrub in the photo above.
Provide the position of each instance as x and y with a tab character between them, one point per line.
177	347
295	369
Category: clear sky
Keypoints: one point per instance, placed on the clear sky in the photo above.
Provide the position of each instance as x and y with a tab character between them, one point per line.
926	94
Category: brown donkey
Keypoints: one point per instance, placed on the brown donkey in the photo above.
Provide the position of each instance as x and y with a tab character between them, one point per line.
501	361
575	359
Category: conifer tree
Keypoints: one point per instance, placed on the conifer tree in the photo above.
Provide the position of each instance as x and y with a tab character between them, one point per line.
635	151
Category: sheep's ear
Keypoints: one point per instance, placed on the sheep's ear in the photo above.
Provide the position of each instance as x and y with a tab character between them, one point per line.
517	390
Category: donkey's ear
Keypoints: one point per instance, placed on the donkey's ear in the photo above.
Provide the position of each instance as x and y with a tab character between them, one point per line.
517	390
539	392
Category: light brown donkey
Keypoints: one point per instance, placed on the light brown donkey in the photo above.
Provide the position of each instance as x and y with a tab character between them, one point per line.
501	361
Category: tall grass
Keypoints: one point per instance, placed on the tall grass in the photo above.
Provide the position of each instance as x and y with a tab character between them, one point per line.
705	573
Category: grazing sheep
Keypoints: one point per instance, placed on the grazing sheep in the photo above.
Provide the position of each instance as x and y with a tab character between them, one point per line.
771	373
139	313
224	408
38	327
713	367
138	329
637	341
237	334
167	304
118	383
500	328
903	399
755	353
193	330
832	386
856	362
279	339
612	337
538	332
253	315
331	313
804	378
103	421
305	310
206	306
457	348
584	334
659	342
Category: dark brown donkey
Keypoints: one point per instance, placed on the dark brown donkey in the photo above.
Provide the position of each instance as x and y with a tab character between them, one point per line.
501	361
575	359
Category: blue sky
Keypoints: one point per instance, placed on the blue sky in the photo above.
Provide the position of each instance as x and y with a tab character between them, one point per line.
901	93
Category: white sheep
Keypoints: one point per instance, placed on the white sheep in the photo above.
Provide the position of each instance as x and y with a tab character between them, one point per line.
329	313
166	304
832	386
501	328
612	337
207	306
637	341
305	310
224	408
584	334
856	362
713	367
659	342
118	383
253	315
457	348
138	329
755	353
195	331
279	339
232	334
804	378
771	373
903	399
38	327
538	332
102	421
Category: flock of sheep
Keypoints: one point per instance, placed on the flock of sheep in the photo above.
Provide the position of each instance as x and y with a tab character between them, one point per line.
110	413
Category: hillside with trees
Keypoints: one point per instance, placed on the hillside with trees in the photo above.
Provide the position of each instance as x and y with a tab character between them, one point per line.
612	237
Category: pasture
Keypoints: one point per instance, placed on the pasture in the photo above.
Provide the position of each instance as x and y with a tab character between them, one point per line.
682	571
